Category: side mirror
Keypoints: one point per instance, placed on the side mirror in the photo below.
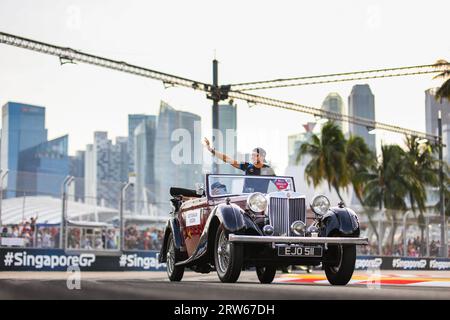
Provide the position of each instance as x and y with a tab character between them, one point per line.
199	189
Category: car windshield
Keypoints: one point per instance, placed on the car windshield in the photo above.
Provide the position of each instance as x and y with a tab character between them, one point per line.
224	185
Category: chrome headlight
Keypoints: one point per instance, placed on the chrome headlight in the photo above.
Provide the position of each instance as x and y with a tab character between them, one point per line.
298	227
320	205
268	230
257	202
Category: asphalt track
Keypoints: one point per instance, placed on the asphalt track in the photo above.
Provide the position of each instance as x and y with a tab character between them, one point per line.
154	285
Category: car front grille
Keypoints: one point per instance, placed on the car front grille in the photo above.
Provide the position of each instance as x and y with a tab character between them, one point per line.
283	212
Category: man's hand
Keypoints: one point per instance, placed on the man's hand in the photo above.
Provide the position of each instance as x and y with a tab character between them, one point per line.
207	144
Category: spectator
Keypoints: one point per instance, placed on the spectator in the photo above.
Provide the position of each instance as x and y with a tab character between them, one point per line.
5	232
46	239
110	240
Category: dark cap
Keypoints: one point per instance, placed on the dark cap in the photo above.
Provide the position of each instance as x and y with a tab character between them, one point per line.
260	151
217	184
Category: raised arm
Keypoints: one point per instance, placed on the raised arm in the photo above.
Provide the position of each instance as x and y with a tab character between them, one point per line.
220	155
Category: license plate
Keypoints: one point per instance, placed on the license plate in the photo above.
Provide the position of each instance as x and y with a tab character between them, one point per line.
300	251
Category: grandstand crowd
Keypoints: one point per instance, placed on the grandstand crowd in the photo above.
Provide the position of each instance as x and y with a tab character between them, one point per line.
34	235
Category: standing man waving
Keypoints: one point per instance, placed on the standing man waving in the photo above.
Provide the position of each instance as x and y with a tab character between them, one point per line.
257	167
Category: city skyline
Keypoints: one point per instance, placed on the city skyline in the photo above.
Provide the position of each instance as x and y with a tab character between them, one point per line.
431	108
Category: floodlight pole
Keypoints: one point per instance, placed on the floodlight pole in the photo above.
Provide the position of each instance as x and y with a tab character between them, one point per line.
67	181
215	109
444	250
122	222
405	242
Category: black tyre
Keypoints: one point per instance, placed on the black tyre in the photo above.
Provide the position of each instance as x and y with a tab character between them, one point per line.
266	274
175	273
228	257
340	274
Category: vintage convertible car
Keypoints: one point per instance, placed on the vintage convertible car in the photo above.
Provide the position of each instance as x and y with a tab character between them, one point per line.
239	222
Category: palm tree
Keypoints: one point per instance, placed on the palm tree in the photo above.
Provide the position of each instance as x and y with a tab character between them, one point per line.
388	184
422	168
444	91
360	159
328	160
446	188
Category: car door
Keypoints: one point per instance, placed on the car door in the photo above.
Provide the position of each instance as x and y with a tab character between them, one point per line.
194	214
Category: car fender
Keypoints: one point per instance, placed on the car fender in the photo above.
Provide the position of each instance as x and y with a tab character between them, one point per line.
342	221
234	219
172	230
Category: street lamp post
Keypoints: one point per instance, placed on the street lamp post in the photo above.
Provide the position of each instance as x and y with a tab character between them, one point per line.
380	235
405	242
121	202
215	109
444	250
67	181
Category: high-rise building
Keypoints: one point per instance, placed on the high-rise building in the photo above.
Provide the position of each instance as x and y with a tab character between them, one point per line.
134	120
44	167
295	142
334	103
361	103
77	170
105	169
227	140
144	155
178	159
119	160
432	109
36	166
90	169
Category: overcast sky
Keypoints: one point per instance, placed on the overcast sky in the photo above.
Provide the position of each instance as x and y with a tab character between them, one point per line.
253	40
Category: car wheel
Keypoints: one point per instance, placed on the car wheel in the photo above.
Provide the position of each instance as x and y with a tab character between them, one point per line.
341	273
174	272
266	274
228	257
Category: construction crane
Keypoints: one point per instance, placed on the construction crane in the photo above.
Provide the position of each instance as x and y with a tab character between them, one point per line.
214	91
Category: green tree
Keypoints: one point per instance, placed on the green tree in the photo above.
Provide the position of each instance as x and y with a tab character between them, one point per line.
360	160
328	158
422	170
388	185
446	187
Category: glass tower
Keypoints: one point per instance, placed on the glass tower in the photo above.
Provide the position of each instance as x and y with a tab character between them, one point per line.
144	155
227	141
36	166
361	103
178	160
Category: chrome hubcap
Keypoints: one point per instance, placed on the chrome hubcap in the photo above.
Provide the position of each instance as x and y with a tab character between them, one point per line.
223	253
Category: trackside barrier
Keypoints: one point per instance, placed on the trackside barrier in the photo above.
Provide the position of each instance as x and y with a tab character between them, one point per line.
401	263
20	259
